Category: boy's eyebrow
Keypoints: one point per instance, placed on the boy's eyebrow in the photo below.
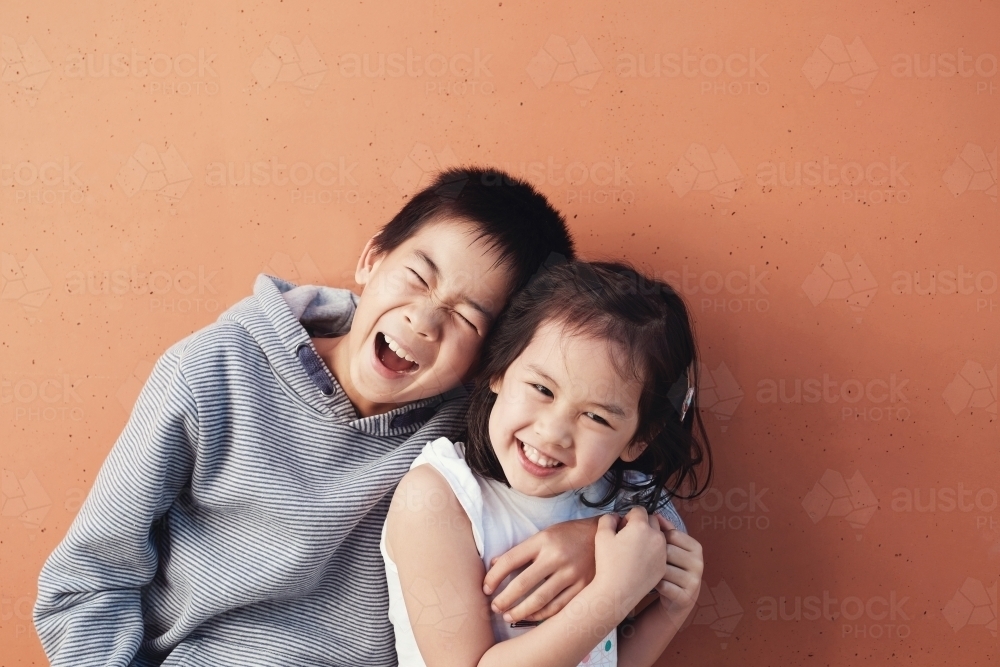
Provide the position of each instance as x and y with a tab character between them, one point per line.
612	408
435	271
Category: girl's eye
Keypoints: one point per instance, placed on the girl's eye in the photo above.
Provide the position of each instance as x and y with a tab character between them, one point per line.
597	418
542	389
422	281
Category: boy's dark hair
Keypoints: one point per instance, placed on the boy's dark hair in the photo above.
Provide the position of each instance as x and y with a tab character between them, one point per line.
648	323
514	218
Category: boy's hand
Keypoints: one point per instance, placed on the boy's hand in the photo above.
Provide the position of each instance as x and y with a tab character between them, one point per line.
562	561
681	584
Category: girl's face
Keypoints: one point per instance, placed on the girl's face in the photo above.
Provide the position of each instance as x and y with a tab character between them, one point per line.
563	414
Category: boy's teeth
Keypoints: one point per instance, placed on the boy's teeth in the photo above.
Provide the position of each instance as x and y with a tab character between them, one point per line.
394	346
537	457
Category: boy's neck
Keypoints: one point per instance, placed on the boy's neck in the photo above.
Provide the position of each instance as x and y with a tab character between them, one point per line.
335	353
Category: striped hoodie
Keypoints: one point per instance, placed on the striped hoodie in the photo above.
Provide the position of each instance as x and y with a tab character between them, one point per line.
237	519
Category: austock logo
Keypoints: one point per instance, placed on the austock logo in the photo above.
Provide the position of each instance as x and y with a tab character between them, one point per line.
852	499
558	61
880	617
439	606
182	74
420	166
23	64
875	182
34	398
128	392
456	74
325	182
699	169
835	279
834	62
738	508
973	170
718	392
973	604
883	399
17	608
284	62
718	608
43	181
164	173
732	74
973	387
301	272
184	291
24	499
584	182
24	282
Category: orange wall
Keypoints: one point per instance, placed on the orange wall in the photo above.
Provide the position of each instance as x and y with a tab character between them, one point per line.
804	205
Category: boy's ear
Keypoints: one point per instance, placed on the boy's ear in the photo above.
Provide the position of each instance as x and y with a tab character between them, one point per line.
633	451
368	261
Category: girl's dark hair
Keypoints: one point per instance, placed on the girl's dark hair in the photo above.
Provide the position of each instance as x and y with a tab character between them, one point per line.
647	320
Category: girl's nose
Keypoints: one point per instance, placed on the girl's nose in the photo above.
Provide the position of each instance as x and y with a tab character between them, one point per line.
553	430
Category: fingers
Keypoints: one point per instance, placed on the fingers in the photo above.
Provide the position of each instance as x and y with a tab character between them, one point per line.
686	560
557	603
608	523
681	578
635	515
504	565
666	525
683	542
536	600
671	591
533	575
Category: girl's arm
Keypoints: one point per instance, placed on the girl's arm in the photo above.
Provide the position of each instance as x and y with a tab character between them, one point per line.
678	592
429	537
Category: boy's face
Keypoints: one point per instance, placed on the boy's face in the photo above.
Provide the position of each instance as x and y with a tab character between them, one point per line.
424	312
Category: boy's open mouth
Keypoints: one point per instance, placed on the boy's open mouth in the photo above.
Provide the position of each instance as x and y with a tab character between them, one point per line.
392	356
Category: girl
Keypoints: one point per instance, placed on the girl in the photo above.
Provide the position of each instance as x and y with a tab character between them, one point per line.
585	400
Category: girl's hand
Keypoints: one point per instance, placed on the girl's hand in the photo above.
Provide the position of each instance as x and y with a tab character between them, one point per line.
632	560
681	582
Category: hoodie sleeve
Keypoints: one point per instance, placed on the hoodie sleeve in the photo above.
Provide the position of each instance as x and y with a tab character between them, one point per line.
88	610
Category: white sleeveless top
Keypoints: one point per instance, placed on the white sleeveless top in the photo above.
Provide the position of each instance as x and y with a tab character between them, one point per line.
501	518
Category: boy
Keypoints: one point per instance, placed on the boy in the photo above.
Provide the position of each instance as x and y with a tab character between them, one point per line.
237	519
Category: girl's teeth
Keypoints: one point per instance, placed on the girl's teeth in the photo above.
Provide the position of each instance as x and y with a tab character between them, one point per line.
537	457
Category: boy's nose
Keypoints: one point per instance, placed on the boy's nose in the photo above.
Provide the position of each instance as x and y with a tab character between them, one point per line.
425	321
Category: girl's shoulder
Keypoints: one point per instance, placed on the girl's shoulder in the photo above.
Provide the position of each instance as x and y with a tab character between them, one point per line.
440	474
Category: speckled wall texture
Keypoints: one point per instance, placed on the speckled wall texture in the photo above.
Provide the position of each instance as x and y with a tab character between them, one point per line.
818	179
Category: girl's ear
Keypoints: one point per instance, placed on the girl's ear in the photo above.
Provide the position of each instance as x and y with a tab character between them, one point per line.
496	384
633	451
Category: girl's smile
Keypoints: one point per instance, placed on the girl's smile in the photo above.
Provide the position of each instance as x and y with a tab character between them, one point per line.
563	413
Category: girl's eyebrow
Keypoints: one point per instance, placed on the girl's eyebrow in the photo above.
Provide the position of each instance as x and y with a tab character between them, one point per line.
610	408
540	373
436	272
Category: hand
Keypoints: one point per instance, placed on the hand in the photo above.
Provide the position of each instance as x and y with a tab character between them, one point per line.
562	561
681	583
630	554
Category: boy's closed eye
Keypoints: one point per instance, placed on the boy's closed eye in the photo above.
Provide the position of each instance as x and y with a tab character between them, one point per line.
465	321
